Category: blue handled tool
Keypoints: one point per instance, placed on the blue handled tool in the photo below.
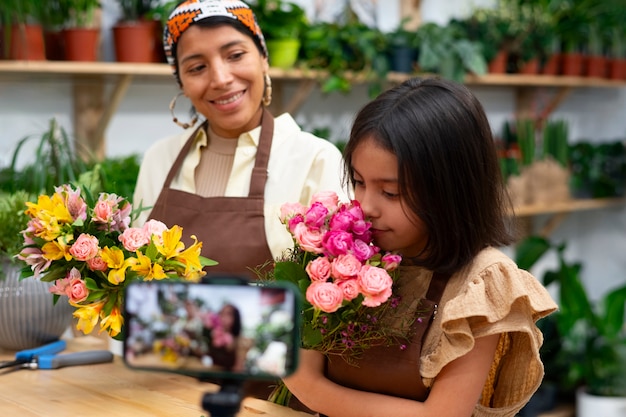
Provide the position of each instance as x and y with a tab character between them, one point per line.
70	359
27	356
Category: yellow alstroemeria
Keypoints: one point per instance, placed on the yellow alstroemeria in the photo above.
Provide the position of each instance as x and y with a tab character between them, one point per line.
87	316
145	268
58	248
51	213
113	322
171	245
191	256
114	258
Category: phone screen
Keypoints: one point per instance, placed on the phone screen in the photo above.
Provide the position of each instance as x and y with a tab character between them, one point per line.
212	329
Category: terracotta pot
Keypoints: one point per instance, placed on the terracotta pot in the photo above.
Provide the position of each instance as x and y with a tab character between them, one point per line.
499	63
135	41
595	66
27	43
617	69
572	64
530	67
53	40
552	66
82	44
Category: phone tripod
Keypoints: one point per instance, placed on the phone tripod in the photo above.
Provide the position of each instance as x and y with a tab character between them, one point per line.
224	403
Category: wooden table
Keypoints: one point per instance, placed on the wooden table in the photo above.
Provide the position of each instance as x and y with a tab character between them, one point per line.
110	390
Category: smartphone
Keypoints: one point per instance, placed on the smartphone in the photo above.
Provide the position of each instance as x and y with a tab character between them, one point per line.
222	328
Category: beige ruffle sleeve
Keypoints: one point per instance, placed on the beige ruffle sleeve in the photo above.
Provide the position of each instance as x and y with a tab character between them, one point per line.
492	296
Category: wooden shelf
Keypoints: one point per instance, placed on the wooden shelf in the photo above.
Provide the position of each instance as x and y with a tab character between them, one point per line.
60	68
569	206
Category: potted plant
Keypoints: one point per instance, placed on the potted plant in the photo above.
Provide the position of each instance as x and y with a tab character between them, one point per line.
402	49
23	32
81	33
447	51
136	32
53	16
282	23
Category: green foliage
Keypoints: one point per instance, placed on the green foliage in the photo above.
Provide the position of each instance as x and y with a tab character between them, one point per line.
555	141
525	131
279	19
447	51
82	12
12	222
134	10
587	344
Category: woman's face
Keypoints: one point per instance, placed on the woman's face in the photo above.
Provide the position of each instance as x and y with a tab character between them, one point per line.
222	73
394	227
227	317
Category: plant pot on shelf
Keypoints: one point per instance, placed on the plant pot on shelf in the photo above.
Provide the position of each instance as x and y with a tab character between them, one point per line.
572	64
595	66
616	69
588	405
28	317
402	59
499	63
530	67
135	41
552	66
82	44
283	53
53	40
27	43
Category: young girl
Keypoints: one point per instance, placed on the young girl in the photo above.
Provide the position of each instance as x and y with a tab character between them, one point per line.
423	164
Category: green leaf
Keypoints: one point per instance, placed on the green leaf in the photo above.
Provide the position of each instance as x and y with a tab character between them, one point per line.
530	250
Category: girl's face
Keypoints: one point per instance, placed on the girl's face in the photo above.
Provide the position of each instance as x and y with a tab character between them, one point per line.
227	317
221	71
394	228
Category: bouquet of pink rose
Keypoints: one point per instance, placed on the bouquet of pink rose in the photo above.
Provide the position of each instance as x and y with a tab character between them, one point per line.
345	279
92	253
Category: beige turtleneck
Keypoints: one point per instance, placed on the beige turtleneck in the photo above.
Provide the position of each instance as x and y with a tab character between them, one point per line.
216	162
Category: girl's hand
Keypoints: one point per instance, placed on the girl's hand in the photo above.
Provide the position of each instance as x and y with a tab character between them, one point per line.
310	369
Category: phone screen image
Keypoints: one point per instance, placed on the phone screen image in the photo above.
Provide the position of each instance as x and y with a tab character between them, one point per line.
211	330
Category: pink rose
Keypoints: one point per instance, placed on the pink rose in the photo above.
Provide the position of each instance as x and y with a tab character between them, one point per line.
337	242
294	221
318	269
85	247
329	199
345	267
391	261
315	217
77	290
375	285
350	288
102	212
97	264
342	220
324	296
133	238
361	229
154	227
288	210
362	250
309	240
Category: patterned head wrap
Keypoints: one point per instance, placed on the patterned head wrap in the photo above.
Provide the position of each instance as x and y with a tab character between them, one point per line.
191	11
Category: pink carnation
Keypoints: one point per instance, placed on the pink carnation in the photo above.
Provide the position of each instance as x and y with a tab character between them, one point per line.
85	247
391	261
337	242
363	251
324	296
315	216
77	290
97	264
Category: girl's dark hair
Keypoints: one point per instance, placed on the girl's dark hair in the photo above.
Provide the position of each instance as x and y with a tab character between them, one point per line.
236	329
448	170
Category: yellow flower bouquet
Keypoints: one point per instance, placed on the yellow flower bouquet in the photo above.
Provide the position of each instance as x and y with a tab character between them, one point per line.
89	250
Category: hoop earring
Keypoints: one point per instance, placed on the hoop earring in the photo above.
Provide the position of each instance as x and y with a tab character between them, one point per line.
267	96
193	120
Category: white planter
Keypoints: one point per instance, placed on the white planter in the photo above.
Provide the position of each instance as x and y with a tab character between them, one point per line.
588	405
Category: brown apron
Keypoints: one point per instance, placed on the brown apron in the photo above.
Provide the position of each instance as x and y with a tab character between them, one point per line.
390	370
231	229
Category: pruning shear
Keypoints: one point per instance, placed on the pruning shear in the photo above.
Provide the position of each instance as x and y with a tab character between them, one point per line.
45	357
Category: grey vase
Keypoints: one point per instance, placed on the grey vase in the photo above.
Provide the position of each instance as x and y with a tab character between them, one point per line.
28	317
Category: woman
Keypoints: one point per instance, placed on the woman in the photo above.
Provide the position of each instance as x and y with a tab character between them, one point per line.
423	164
224	180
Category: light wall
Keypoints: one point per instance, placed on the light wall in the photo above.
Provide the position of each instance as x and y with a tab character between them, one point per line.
596	238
